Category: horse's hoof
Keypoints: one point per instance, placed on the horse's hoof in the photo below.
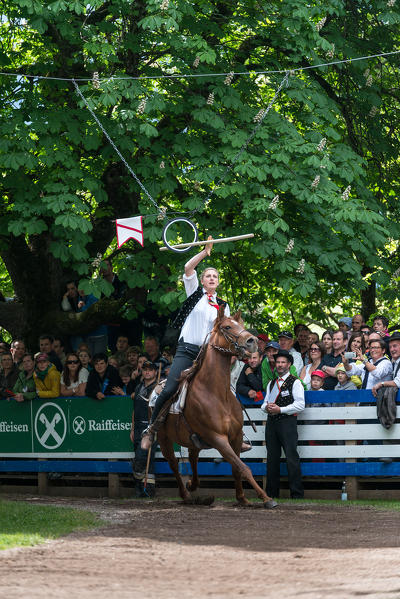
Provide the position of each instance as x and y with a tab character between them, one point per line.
269	505
203	500
207	500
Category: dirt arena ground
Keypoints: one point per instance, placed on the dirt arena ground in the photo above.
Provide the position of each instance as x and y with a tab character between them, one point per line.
163	549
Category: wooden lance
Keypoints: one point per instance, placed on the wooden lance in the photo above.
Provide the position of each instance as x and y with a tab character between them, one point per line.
218	240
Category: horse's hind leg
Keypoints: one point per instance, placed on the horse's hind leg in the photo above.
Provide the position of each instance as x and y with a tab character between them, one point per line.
194	482
167	449
237	475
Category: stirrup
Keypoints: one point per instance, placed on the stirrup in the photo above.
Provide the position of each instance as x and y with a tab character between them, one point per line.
147	438
246	444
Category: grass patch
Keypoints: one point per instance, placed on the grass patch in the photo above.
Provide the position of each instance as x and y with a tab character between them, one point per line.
25	524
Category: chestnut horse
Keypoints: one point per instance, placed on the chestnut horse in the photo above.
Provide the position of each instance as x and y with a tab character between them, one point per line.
211	410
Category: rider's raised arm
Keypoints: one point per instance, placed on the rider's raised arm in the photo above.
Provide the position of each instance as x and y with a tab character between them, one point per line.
193	262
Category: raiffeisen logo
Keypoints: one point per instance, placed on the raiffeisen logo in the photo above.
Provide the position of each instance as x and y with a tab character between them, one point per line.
10	427
108	425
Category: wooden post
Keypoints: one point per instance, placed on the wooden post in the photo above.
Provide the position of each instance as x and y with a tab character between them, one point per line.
43	483
113	483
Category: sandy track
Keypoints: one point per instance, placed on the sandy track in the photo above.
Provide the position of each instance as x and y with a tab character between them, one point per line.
164	549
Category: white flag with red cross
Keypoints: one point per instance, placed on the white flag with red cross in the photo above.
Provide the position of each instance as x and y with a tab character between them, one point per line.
129	228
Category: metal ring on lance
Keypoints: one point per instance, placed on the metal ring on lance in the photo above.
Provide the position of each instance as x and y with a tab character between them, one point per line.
172	222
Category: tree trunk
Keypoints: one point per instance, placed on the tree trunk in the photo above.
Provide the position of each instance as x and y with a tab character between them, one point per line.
368	300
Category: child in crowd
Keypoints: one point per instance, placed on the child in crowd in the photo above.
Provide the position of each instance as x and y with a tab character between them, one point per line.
317	380
85	359
112	360
125	374
344	382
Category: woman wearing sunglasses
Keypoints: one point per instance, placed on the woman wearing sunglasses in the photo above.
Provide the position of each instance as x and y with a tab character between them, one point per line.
315	353
74	377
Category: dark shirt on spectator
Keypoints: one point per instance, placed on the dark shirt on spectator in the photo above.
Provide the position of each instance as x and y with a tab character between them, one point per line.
97	384
54	359
248	382
330	382
8	381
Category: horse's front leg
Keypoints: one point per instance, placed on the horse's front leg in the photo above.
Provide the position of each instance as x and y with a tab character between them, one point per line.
193	483
222	444
167	449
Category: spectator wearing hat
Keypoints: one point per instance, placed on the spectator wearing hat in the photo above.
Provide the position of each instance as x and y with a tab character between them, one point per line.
268	364
344	381
345	325
374	370
315	355
286	341
140	421
262	340
284	399
250	379
394	347
46	376
103	378
317	380
330	361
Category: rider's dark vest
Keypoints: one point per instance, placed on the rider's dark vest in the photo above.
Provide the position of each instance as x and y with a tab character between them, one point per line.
286	400
188	306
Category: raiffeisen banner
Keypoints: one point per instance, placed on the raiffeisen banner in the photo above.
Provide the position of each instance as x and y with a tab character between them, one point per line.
66	427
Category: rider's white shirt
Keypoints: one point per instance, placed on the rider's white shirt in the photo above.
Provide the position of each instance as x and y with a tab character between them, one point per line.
201	319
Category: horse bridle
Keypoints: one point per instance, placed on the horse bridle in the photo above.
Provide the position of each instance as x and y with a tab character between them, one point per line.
232	339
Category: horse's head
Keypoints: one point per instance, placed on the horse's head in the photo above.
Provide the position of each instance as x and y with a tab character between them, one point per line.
229	335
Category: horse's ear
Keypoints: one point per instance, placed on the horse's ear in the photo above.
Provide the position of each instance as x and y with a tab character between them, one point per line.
221	313
238	316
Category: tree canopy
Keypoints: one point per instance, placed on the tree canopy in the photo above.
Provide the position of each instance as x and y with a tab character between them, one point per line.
178	88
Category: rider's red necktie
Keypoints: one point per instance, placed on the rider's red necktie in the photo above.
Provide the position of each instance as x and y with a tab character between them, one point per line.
211	301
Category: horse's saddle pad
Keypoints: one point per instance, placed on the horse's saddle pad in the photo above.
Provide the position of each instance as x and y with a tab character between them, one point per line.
179	401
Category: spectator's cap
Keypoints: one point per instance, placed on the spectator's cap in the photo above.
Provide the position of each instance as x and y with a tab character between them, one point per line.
273	344
319	373
41	357
286	334
347	321
263	337
282	353
394	336
340	368
149	364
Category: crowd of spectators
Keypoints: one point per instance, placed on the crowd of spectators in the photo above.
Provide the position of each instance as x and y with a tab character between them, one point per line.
354	356
53	372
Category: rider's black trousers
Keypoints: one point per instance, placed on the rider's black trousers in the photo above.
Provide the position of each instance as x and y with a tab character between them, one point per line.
185	355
